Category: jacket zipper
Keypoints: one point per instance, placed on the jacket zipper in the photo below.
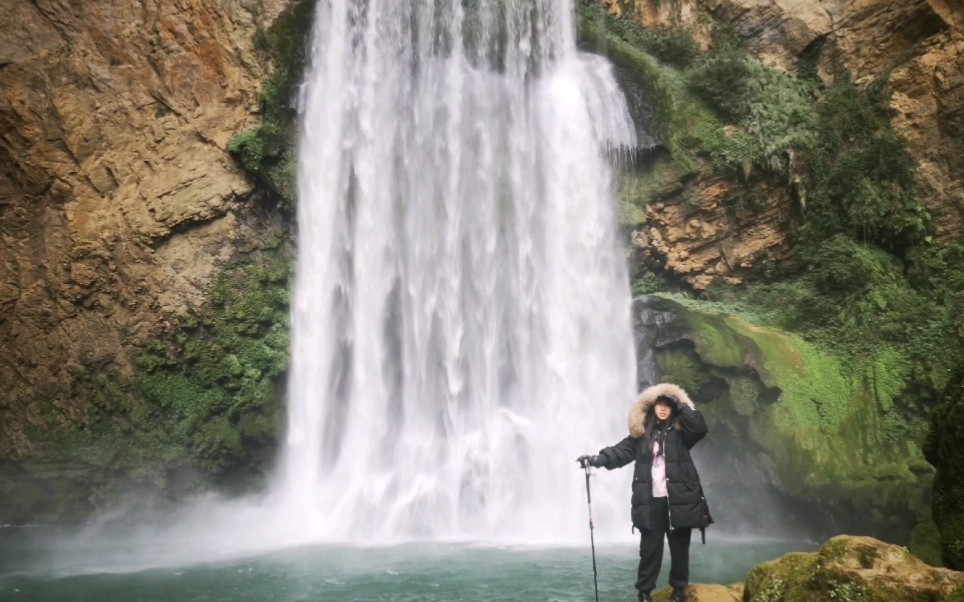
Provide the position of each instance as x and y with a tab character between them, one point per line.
669	511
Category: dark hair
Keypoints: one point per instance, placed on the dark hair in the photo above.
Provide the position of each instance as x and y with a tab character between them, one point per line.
650	435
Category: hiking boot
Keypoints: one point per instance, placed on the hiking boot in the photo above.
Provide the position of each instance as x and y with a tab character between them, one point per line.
679	595
645	597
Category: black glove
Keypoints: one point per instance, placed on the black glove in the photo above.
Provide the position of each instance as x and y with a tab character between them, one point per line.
594	461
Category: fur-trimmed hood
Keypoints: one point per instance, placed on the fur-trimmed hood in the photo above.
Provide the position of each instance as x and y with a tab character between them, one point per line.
646	399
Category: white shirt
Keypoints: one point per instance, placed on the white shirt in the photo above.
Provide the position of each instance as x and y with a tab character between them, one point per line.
659	471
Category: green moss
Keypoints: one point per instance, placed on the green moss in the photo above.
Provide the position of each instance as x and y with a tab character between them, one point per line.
822	418
925	543
206	398
681	368
778	580
716	343
657	181
630	214
838	572
744	395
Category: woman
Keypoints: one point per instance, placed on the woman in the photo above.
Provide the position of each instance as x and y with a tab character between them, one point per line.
667	496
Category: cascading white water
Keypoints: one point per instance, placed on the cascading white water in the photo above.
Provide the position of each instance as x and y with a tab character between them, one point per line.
460	320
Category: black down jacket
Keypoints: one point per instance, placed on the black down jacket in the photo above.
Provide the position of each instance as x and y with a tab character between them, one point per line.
684	491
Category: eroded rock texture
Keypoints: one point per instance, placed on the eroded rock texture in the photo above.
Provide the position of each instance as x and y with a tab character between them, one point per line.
117	198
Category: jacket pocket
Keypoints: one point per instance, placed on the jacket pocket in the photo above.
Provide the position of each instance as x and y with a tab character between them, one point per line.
642	492
639	514
683	493
691	514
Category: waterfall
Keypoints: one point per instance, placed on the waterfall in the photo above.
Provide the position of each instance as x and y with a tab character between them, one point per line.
460	316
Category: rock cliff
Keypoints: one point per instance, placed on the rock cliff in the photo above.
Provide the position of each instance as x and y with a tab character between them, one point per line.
118	202
919	43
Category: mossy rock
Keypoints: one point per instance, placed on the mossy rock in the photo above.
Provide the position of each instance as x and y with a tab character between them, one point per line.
206	401
851	569
945	450
825	423
821	424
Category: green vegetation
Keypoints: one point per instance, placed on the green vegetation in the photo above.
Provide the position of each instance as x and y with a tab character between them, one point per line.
821	432
945	450
870	289
212	390
860	301
839	571
676	113
674	47
723	113
267	151
682	368
207	397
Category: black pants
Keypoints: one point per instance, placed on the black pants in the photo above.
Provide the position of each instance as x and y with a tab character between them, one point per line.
651	550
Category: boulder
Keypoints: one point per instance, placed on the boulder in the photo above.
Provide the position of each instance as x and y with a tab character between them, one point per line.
852	568
702	592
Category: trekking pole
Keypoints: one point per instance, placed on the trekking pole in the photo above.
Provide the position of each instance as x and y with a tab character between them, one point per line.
584	464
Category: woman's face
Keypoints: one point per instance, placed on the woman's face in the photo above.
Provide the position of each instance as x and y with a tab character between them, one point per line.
662	411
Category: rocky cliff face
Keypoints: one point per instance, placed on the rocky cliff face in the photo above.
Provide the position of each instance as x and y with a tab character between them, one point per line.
118	201
709	240
920	43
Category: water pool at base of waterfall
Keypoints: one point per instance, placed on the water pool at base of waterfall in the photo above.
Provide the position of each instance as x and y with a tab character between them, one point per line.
425	572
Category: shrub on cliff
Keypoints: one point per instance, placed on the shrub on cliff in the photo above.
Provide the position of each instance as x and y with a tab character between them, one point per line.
211	392
267	151
861	176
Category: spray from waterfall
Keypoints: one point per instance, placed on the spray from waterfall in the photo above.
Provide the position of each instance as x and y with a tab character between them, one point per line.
460	322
